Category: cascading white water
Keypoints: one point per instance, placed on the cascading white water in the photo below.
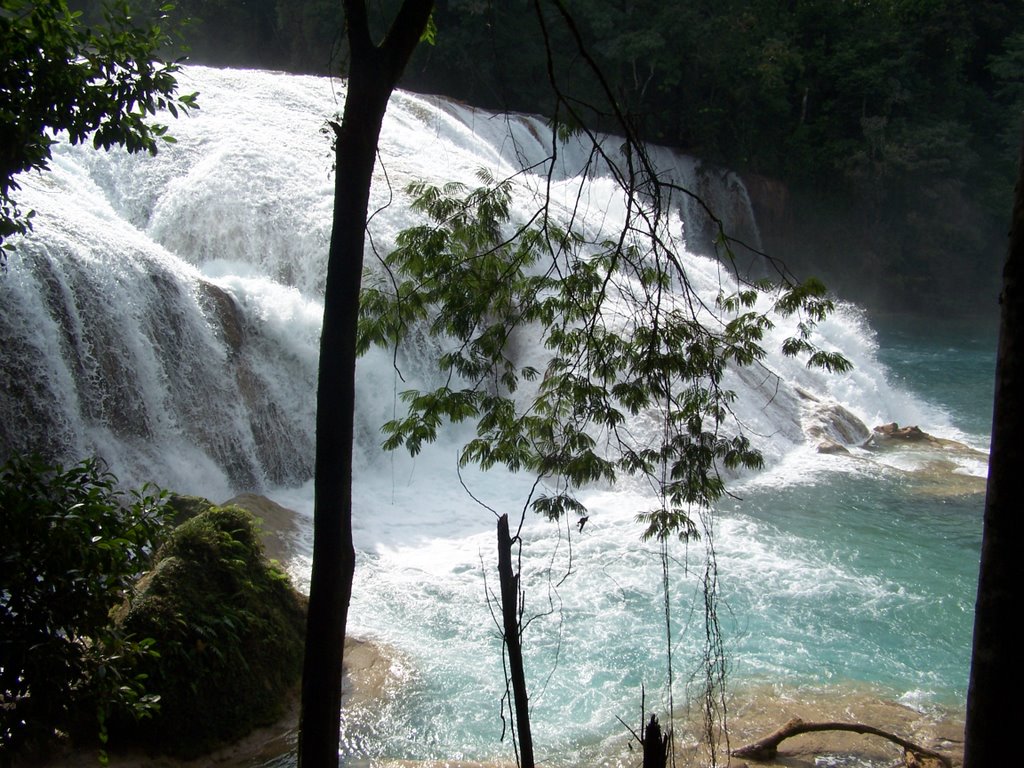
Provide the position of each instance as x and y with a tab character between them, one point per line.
165	314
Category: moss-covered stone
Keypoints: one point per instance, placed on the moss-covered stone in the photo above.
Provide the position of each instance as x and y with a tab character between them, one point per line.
182	508
229	630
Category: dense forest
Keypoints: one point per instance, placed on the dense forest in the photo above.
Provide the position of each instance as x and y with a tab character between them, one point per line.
877	139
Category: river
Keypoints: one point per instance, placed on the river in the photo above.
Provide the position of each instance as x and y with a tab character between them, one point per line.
165	314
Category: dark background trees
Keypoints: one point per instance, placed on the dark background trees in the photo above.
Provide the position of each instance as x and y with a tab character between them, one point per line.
891	126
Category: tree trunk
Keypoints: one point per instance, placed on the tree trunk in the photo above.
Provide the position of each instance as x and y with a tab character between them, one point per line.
510	619
997	665
373	75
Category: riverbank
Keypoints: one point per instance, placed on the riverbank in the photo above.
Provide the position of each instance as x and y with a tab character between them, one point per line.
369	680
757	712
753	714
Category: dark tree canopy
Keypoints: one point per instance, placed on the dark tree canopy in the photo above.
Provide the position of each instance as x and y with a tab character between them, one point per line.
71	546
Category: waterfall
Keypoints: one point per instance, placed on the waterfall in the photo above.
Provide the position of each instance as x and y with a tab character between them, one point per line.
164	313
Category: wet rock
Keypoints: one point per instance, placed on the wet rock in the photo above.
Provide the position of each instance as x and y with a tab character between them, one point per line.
894	431
831	426
829	446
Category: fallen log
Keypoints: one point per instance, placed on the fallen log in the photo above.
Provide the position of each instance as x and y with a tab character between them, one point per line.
768	747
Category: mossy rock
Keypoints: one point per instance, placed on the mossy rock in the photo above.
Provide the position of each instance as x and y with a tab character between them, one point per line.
228	627
182	508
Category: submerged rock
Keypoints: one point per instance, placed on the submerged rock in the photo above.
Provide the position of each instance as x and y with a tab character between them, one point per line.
892	435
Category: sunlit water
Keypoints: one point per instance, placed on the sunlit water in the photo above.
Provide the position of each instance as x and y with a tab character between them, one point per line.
166	315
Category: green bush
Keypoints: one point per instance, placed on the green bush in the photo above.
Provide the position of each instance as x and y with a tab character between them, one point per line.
229	628
72	543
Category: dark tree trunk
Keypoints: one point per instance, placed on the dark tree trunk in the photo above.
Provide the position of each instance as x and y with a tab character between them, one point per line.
510	618
373	75
994	706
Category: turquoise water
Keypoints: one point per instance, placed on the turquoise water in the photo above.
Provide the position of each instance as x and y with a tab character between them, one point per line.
949	363
883	562
844	573
879	589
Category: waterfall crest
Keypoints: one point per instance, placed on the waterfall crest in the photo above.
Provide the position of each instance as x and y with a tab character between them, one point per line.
165	312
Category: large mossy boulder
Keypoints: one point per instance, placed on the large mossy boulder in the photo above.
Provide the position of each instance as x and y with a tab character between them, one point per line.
228	629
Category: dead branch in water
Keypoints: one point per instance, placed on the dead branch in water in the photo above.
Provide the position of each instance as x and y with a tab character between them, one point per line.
768	747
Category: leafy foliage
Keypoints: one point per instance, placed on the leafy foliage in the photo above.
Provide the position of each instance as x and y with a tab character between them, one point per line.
71	545
630	380
103	83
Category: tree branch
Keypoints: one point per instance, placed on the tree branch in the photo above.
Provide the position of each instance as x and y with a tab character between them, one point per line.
404	35
357	28
768	747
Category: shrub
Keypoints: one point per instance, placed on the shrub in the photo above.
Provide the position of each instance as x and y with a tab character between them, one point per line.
71	545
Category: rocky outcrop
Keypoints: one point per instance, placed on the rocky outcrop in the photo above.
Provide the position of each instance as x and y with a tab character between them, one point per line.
279	529
894	431
771	200
229	629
